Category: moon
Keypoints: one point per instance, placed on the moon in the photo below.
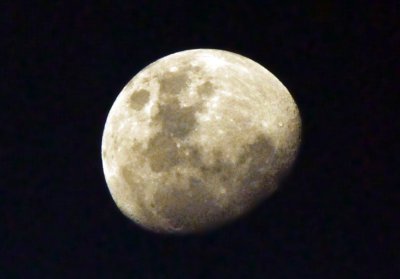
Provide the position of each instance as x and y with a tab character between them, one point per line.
197	139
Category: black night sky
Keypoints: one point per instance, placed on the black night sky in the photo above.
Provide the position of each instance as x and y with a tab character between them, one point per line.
63	64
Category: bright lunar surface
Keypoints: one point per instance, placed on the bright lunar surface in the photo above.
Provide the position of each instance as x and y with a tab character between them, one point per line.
197	139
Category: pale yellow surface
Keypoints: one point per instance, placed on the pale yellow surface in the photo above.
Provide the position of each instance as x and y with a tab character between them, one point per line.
198	138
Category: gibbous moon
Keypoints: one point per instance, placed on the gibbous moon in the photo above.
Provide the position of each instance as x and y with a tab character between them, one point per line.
197	139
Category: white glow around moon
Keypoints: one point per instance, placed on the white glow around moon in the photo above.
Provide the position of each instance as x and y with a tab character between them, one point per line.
198	138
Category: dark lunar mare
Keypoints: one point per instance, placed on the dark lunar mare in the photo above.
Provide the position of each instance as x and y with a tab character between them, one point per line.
185	209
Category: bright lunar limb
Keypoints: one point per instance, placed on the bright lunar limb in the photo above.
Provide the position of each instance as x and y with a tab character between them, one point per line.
197	139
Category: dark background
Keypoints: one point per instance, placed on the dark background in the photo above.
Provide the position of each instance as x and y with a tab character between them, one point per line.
64	64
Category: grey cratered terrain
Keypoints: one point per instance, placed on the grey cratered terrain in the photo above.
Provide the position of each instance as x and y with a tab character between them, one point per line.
197	139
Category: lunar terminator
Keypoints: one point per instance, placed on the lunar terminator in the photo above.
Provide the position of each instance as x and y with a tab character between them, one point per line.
197	139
